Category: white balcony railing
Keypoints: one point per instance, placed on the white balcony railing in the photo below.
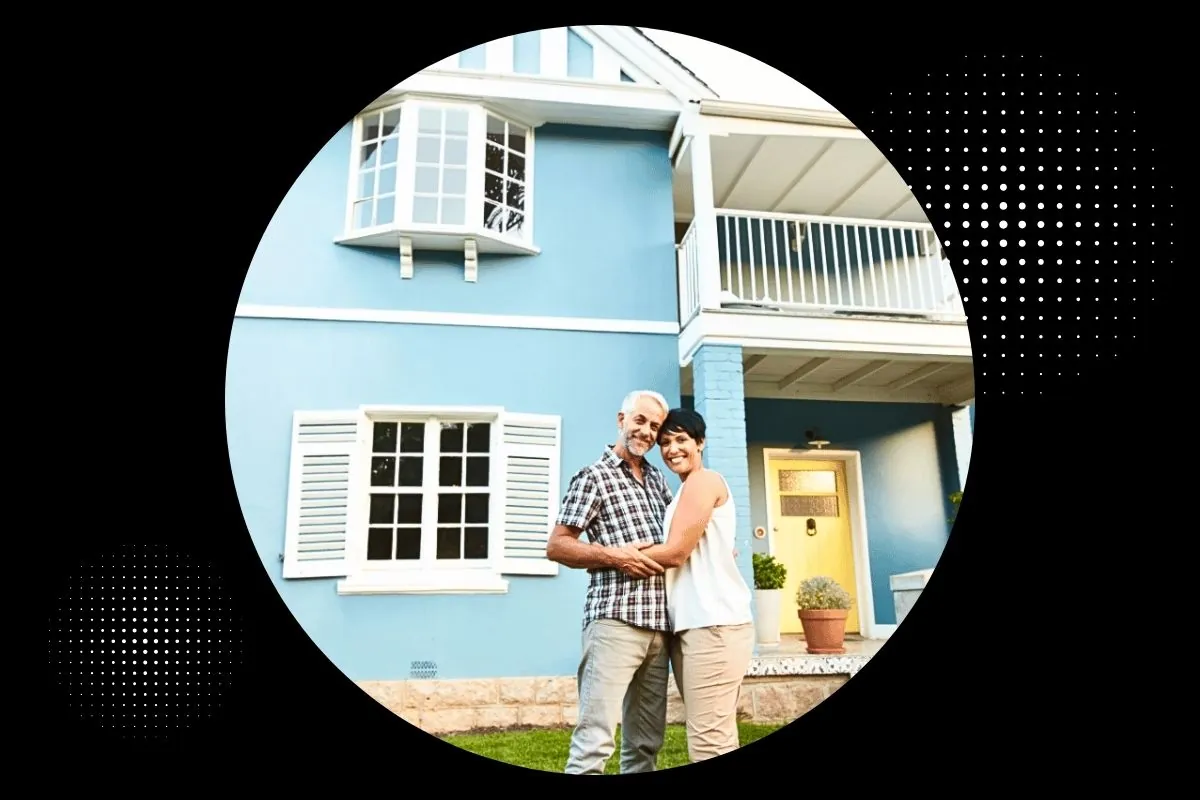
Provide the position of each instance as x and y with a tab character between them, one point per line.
804	264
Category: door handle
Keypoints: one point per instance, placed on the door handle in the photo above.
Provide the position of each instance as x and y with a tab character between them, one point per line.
810	527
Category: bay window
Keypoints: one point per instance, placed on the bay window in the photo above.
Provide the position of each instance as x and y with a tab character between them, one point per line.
441	175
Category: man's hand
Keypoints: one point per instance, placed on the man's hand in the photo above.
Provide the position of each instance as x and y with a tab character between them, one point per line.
632	561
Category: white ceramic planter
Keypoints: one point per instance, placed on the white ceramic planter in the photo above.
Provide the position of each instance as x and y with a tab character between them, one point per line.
767	604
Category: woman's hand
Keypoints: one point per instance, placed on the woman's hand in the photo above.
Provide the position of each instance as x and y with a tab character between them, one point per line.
632	561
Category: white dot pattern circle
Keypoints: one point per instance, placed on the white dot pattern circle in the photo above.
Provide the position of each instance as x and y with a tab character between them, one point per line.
144	642
1051	206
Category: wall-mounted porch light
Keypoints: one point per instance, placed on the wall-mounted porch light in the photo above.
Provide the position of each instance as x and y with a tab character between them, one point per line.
815	440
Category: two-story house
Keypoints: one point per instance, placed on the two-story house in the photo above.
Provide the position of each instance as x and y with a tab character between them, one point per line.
448	307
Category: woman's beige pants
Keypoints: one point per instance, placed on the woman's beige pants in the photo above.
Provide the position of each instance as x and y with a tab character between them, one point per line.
709	666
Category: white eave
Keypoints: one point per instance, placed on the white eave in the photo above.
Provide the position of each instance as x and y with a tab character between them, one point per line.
536	99
733	118
766	113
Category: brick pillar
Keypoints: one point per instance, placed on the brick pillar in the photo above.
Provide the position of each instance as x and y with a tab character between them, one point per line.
719	398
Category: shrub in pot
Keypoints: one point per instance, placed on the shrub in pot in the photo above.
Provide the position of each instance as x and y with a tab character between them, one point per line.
823	606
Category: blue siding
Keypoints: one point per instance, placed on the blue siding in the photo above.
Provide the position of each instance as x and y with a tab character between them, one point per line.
603	217
580	56
527	52
277	366
474	58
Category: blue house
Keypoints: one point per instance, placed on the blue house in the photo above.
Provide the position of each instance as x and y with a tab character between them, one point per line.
449	305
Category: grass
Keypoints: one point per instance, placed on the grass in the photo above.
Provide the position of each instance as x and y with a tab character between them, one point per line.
546	749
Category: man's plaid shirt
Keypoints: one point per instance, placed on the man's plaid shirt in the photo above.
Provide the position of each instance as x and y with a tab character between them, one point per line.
606	501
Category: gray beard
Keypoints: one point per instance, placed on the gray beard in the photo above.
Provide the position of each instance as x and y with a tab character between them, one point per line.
628	441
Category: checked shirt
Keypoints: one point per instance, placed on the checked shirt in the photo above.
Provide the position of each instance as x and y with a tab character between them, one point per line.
608	503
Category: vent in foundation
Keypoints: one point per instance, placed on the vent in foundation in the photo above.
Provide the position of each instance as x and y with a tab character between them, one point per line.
423	670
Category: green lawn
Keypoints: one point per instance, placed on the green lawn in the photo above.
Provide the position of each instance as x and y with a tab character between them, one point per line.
547	749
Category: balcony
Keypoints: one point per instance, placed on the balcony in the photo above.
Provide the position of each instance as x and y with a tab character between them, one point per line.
821	266
799	243
828	308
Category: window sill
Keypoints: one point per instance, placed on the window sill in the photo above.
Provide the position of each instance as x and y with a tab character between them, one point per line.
430	582
437	238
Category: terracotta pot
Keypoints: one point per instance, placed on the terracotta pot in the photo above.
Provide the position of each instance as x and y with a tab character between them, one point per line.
824	630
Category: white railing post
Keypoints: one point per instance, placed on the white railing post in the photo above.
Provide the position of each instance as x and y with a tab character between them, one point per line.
952	304
708	260
683	280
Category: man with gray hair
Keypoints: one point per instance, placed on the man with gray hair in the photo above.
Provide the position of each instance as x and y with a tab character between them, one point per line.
620	501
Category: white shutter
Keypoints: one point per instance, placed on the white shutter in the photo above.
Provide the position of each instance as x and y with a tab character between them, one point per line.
324	444
532	461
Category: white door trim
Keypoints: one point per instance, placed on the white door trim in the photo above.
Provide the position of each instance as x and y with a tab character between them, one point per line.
852	461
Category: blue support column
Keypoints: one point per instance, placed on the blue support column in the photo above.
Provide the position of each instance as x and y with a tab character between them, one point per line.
718	391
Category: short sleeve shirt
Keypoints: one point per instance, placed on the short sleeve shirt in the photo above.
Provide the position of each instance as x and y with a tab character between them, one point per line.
614	509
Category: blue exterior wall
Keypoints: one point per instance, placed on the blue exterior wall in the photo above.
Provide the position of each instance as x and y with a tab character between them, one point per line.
527	56
277	366
909	470
603	217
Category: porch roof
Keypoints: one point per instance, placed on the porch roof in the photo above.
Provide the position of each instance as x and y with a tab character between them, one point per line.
863	377
792	161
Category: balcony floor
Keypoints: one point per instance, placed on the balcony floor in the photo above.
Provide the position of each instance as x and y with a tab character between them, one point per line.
804	373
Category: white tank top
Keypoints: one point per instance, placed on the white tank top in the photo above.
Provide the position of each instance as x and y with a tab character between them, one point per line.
708	589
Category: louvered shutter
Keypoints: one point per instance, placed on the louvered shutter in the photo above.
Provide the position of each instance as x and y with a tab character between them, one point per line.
532	459
324	444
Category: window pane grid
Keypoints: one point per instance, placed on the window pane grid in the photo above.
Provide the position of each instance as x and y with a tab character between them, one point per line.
377	164
504	177
398	520
440	178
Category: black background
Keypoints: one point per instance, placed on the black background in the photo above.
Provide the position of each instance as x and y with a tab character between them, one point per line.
1036	648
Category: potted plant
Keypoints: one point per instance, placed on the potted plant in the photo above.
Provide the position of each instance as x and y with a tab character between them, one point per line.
769	577
823	606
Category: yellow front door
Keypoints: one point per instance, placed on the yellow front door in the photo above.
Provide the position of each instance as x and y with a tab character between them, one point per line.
811	533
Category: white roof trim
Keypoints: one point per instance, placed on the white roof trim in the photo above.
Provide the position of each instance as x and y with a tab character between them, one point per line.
646	56
765	113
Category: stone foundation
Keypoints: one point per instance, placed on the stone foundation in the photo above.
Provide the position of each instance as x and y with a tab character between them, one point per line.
459	706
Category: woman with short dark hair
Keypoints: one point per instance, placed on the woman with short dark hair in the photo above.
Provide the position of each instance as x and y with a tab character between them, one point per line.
707	598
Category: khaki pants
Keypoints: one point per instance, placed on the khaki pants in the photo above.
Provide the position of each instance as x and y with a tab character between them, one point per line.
709	666
622	679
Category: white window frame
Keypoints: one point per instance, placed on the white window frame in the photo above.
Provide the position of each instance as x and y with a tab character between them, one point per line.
513	547
483	575
472	236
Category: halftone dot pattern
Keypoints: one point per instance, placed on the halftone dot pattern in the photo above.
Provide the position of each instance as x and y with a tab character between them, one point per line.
1052	207
143	641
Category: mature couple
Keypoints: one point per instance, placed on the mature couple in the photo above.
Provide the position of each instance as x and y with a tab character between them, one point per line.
664	590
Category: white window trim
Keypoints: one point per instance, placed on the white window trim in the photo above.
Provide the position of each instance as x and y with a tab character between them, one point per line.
472	236
506	557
